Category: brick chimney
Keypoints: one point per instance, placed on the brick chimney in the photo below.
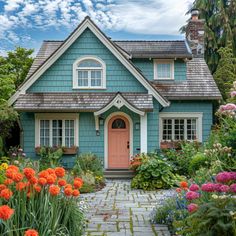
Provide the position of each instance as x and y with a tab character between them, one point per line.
195	33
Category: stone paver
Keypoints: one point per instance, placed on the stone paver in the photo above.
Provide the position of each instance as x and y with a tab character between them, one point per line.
117	210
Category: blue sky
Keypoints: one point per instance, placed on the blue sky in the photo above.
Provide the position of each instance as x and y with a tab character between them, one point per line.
27	23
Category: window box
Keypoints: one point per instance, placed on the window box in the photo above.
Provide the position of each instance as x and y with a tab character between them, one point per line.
170	145
70	150
66	150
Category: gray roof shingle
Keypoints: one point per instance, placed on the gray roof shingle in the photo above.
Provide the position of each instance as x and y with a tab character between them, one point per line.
78	101
199	84
156	49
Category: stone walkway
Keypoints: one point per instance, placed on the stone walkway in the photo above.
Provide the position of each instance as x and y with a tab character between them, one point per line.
117	210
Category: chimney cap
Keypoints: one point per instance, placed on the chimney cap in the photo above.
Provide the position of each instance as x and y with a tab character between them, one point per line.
194	12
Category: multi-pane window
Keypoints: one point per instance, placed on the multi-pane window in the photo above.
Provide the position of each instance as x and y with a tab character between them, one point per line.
179	129
89	73
163	70
57	132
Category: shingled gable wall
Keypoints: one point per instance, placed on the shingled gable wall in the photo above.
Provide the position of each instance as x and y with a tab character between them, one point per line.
58	78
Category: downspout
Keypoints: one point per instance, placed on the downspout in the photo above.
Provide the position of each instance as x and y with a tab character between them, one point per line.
21	133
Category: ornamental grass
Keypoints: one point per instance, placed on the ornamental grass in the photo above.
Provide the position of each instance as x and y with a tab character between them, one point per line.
40	204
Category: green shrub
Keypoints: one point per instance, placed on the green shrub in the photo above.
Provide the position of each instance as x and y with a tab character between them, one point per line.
153	173
89	161
199	160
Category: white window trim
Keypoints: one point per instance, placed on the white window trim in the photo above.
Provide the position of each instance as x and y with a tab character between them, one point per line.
197	115
75	74
56	116
159	61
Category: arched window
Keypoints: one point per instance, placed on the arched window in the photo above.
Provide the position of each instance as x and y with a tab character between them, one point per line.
118	124
89	72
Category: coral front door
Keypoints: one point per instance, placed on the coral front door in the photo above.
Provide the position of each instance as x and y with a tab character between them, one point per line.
118	143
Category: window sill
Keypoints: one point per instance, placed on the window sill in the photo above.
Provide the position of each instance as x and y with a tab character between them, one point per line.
163	79
89	88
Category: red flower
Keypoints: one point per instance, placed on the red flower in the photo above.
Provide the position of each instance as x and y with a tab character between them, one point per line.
20	186
183	184
50	171
61	182
42	181
60	172
51	179
43	174
2	186
68	186
78	179
6	194
8	181
178	190
29	173
37	188
10	173
13	168
78	184
192	207
54	190
5	212
68	191
75	193
17	177
31	232
33	180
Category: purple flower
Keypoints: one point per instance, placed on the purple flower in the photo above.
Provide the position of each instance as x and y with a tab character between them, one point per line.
13	154
194	187
233	94
23	154
20	150
192	207
233	188
192	195
224	188
208	187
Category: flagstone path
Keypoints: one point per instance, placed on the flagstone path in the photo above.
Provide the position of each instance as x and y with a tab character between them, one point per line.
117	210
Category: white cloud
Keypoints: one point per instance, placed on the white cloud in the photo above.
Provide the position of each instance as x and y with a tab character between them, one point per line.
134	16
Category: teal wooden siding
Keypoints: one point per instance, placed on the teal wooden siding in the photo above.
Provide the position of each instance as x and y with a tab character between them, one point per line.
147	68
58	78
28	125
195	106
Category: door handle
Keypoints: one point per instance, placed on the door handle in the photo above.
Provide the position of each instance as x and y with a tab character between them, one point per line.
128	144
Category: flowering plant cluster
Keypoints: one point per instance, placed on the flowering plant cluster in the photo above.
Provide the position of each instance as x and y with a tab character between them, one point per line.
135	161
48	196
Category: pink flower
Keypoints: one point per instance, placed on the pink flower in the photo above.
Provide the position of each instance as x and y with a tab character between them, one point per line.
233	94
223	177
194	187
217	187
233	188
224	188
192	207
232	175
209	187
230	106
192	195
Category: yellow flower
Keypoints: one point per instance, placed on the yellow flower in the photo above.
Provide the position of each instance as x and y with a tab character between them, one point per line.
4	166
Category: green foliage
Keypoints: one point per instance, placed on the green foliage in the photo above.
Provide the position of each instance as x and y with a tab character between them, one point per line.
153	173
212	218
220	27
50	157
180	159
225	74
199	160
89	161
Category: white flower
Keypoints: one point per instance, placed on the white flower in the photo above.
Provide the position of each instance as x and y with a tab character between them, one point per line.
214	196
222	196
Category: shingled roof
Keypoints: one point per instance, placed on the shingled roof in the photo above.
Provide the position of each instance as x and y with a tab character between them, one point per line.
199	85
78	101
156	49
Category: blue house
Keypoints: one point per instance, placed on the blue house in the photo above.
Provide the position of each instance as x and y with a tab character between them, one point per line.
116	98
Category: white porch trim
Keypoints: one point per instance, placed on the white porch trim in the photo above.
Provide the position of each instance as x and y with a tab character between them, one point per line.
143	133
119	101
106	135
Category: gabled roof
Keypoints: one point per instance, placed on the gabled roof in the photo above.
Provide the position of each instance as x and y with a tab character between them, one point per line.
199	85
90	102
122	56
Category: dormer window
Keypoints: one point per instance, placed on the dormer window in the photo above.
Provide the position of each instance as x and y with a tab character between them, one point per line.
163	69
89	73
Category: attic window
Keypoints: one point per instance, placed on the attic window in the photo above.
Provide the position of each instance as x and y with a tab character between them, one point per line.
89	73
163	69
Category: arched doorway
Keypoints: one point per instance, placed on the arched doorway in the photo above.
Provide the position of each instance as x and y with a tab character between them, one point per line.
118	142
